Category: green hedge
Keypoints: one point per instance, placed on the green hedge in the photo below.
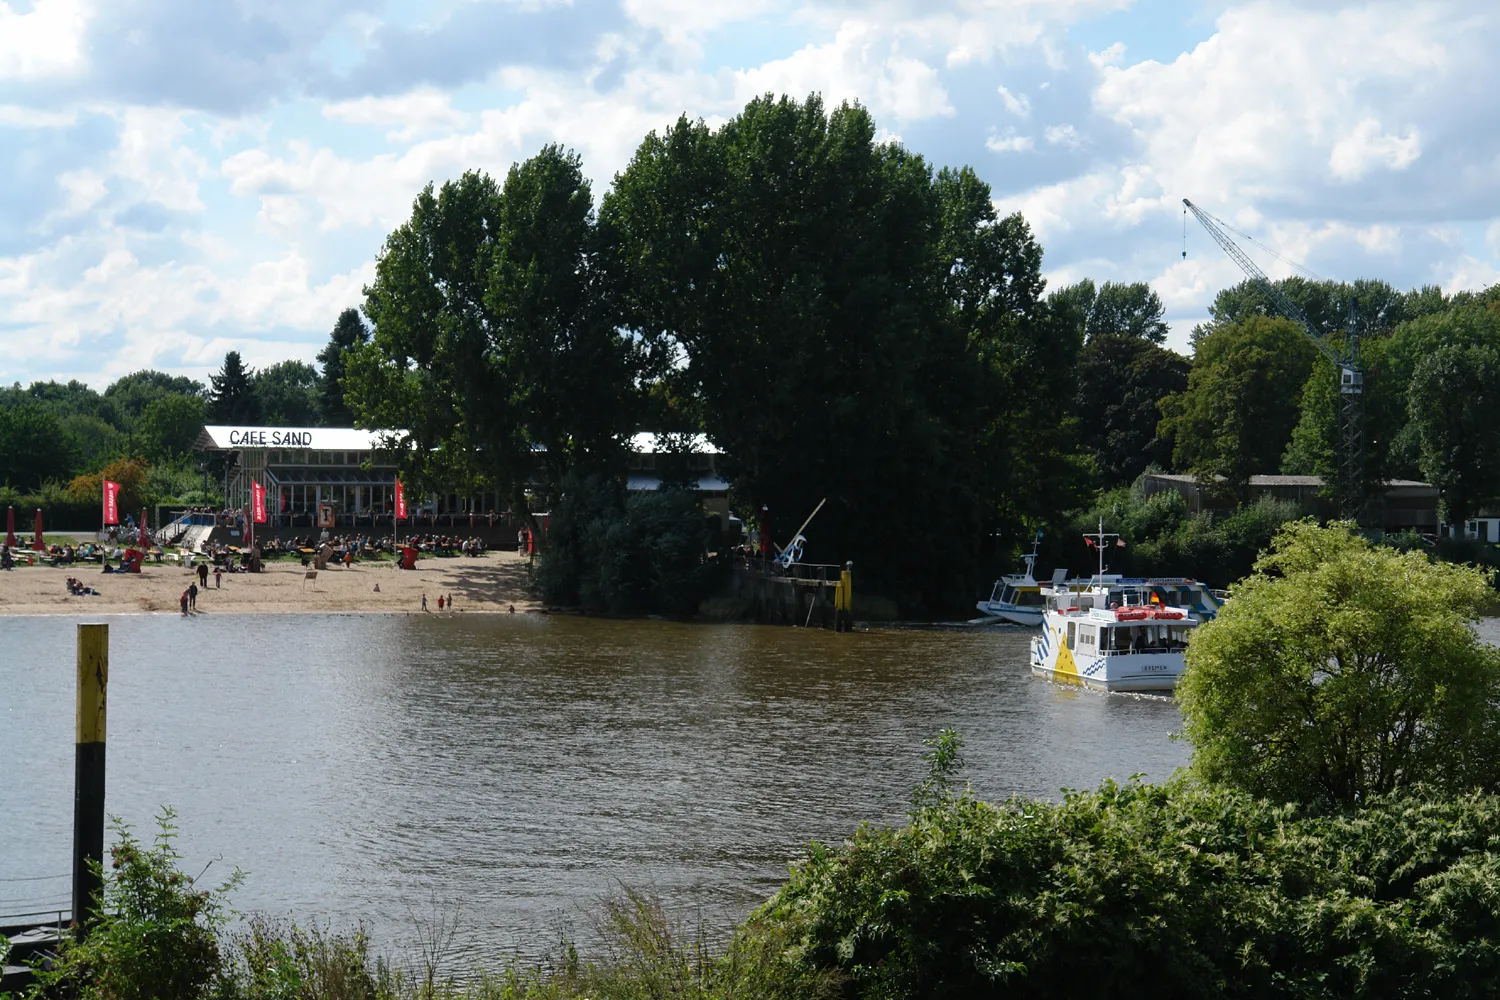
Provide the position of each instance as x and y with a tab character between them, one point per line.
1155	891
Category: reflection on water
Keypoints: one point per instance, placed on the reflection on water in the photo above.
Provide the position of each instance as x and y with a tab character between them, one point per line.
519	767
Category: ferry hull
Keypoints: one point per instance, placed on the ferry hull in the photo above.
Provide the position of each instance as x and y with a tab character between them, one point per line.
1140	683
1030	617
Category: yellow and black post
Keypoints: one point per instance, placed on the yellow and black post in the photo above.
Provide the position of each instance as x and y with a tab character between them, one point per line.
88	774
843	600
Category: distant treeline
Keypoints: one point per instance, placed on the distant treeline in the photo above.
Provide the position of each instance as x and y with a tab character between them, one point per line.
845	321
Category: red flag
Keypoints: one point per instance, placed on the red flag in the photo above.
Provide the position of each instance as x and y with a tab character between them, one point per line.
1119	543
1089	542
400	500
111	502
257	502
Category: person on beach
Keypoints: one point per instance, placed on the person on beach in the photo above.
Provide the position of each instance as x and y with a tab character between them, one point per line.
184	603
450	602
440	602
218	575
192	597
203	575
424	600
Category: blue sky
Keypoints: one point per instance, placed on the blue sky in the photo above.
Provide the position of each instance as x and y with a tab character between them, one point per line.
185	177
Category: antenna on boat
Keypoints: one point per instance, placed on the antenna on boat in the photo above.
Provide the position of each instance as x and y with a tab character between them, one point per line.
1097	539
1030	557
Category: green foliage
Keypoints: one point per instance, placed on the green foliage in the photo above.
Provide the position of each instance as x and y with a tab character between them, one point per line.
618	552
1341	671
1162	538
278	960
33	448
232	399
288	394
1178	890
1120	380
849	325
134	392
1132	311
349	332
495	349
158	934
169	426
1455	418
1239	409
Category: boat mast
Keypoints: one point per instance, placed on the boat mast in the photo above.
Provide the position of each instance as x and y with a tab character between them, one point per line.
1097	539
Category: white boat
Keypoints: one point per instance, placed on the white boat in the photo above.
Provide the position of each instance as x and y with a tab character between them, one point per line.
1017	597
1093	639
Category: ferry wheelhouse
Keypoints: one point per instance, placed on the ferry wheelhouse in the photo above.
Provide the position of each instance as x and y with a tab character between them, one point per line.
1108	637
1017	597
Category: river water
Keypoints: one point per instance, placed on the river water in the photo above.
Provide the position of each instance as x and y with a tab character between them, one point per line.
512	770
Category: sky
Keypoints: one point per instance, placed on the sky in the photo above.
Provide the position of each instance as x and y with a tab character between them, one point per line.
179	178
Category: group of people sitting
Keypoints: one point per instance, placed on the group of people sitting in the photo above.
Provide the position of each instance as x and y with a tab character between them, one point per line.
77	588
446	545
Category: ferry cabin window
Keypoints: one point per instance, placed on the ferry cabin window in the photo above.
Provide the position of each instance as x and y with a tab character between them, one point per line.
1088	638
1029	598
1072	635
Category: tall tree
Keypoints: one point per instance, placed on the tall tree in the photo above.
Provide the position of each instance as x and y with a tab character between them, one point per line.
1454	400
494	344
132	393
287	394
348	333
33	448
1236	415
1121	380
169	426
849	324
232	399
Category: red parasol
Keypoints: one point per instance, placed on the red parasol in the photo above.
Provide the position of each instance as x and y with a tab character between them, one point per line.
10	527
37	545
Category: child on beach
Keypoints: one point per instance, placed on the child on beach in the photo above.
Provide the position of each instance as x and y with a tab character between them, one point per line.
440	602
218	575
184	603
424	600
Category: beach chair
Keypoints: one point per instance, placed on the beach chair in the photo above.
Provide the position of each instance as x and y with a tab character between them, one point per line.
312	575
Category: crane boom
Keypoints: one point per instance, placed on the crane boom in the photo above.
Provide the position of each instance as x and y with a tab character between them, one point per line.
1351	490
1283	303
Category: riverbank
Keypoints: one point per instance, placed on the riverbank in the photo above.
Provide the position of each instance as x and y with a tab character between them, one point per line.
493	582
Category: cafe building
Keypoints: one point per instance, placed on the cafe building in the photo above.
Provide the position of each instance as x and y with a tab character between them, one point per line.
337	476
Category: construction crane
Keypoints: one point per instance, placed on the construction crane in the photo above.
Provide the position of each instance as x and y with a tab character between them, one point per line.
1350	489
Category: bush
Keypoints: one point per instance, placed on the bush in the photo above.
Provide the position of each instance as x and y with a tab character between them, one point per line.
624	552
1179	890
157	937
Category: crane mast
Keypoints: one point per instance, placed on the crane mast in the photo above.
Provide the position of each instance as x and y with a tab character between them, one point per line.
1350	490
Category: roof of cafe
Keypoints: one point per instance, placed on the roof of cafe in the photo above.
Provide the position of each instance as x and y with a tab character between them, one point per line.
221	437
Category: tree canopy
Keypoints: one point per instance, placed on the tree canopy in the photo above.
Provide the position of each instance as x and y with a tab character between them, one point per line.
1341	670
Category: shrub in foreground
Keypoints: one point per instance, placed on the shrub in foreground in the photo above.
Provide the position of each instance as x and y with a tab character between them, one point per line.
1178	890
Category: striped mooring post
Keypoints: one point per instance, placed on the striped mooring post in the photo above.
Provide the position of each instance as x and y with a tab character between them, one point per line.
88	773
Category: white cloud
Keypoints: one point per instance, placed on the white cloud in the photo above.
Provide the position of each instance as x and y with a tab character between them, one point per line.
1369	146
412	114
1010	142
1017	104
862	63
1062	135
15	116
46	41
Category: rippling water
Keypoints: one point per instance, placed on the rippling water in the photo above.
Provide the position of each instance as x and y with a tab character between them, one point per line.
517	768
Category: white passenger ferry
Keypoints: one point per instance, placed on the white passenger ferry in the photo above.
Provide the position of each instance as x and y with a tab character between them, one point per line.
1109	638
1020	598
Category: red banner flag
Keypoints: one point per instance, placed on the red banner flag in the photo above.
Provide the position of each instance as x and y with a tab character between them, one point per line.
257	502
111	502
400	500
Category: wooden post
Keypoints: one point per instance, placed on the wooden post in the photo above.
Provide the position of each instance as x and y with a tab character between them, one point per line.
88	774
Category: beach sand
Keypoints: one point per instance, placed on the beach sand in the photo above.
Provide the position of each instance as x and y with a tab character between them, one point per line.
491	582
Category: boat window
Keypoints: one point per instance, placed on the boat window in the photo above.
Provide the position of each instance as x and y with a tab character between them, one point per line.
1072	635
1007	594
1088	637
1029	598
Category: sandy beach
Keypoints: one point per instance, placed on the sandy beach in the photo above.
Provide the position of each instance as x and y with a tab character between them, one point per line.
491	583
